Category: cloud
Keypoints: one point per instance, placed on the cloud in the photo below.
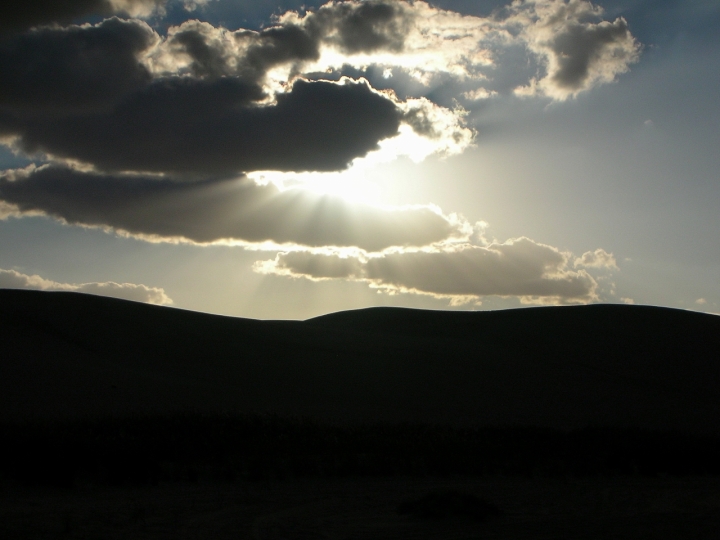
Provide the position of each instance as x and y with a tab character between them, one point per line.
579	49
409	35
314	266
361	27
536	273
202	50
479	94
185	125
205	100
118	97
8	210
235	209
19	15
11	279
567	39
597	259
701	301
59	71
155	135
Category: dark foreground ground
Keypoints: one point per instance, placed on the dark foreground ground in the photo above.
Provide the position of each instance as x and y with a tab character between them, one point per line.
343	508
266	477
121	420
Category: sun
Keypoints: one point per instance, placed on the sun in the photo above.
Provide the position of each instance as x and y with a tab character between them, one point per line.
348	187
353	185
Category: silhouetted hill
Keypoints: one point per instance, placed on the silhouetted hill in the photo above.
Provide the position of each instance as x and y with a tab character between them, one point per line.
68	355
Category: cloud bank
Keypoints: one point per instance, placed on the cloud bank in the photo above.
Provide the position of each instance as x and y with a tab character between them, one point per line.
201	100
10	279
116	96
158	134
234	209
536	273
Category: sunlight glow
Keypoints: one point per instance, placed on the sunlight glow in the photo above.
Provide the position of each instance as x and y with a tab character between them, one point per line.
352	185
359	182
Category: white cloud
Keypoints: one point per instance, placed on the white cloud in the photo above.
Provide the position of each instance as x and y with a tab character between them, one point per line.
8	210
479	94
597	259
192	5
11	279
701	301
137	8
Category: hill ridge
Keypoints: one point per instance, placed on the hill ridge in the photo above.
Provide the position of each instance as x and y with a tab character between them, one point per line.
73	355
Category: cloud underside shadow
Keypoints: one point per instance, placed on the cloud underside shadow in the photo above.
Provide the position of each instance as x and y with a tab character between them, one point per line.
186	126
11	279
536	273
235	209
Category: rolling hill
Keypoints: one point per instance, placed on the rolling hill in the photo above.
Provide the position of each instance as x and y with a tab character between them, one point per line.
69	356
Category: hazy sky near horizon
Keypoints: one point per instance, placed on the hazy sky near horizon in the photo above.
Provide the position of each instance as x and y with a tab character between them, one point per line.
288	159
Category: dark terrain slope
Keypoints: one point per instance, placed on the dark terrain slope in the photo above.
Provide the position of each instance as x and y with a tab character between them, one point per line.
68	355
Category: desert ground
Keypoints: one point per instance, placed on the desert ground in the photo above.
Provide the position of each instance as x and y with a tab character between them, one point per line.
539	508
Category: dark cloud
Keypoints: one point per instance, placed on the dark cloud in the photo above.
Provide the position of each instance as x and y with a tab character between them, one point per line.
19	15
206	59
352	27
204	101
521	268
216	52
58	71
318	266
361	27
581	47
187	125
279	45
118	97
214	210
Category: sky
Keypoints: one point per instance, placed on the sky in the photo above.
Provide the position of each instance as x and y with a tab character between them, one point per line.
282	160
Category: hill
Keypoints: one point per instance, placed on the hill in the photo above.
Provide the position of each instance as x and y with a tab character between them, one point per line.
68	355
